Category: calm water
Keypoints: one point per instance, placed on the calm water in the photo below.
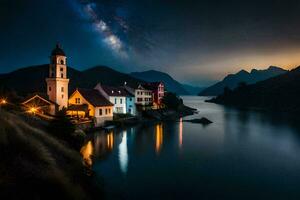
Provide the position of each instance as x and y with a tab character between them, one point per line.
242	155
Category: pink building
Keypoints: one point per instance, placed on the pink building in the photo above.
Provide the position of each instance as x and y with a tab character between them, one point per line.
158	91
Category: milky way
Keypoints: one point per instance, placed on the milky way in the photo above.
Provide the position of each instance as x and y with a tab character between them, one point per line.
197	42
88	10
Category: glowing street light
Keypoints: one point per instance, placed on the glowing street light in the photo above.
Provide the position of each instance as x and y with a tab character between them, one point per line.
33	110
3	102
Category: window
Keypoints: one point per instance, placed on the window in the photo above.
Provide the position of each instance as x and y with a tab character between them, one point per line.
52	74
77	100
61	69
49	88
141	93
61	75
121	101
130	99
119	110
62	89
62	96
109	111
115	100
100	111
106	111
62	62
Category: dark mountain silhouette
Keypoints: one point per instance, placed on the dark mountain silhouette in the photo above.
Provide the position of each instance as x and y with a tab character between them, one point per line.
280	93
32	79
153	76
231	81
192	90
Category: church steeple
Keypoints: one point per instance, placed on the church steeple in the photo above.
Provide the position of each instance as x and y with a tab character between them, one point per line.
57	82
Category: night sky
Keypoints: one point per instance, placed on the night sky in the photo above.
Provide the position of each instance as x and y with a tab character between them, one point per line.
197	42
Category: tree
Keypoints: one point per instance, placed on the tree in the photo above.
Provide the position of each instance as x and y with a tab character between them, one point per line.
172	101
61	126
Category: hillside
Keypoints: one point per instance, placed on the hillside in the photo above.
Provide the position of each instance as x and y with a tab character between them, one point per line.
153	76
278	93
32	79
193	90
231	81
39	166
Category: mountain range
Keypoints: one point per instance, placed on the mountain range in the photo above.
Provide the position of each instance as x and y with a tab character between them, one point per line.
31	79
277	93
232	80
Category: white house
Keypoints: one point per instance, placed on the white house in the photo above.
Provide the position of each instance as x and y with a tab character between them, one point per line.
118	96
143	96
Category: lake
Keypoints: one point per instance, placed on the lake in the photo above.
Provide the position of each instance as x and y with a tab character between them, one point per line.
241	155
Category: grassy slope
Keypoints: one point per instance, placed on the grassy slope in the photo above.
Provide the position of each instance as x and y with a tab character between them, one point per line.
35	165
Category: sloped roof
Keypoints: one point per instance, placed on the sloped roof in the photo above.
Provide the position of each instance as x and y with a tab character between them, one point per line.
41	96
130	90
152	85
116	91
94	97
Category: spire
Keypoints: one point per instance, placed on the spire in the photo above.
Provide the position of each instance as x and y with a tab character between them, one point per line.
58	45
58	50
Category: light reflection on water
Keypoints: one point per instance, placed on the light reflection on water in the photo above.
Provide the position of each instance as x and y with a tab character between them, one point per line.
180	133
123	154
243	154
87	153
158	137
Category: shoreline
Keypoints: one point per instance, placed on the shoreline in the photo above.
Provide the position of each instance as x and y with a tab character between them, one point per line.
150	116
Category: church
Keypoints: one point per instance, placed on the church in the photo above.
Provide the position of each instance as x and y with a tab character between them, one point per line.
83	103
57	87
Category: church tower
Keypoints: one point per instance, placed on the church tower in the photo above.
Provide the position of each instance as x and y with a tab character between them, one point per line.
57	82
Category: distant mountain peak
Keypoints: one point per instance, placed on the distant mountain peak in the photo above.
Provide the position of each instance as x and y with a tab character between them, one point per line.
232	80
243	72
274	67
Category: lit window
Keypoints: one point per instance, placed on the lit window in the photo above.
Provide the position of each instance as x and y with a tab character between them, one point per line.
77	100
